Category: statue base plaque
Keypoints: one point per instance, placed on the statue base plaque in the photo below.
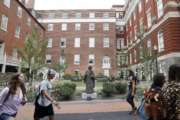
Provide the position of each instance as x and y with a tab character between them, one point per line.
91	96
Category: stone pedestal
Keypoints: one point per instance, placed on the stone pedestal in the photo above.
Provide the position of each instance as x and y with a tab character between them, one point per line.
91	96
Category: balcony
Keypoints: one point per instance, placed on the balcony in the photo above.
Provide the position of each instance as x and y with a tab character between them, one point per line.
9	60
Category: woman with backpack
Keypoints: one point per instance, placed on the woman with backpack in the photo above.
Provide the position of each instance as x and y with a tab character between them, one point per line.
153	100
171	93
131	91
12	97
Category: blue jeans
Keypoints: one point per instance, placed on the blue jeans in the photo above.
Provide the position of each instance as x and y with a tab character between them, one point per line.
4	117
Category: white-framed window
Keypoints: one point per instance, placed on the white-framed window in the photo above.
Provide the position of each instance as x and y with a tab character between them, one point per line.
49	45
29	21
77	42
62	60
149	46
64	27
91	26
122	43
50	27
106	73
160	8
135	32
160	41
77	59
149	18
7	3
78	15
141	25
48	59
91	42
106	42
14	53
91	15
64	15
140	6
130	58
4	22
51	15
135	56
91	59
118	43
134	16
77	26
19	12
105	26
106	15
63	42
17	31
106	62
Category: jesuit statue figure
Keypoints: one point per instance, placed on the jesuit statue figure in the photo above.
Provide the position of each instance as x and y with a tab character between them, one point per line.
89	79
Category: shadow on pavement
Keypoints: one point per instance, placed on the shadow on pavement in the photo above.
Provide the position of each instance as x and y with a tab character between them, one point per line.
97	116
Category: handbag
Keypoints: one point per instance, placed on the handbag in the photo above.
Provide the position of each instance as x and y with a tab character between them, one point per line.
141	111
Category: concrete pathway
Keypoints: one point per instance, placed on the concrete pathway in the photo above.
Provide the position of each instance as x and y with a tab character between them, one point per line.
85	110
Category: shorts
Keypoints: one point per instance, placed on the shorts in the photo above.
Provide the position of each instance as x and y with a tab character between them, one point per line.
43	111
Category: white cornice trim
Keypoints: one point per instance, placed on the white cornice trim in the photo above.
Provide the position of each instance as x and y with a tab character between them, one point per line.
168	56
131	9
166	17
76	20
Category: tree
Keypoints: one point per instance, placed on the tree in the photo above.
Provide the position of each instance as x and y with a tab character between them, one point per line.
60	68
33	53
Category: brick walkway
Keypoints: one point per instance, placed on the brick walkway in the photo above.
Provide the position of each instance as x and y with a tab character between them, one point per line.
77	107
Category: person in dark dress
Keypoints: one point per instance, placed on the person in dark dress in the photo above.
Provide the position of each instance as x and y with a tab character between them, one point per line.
131	91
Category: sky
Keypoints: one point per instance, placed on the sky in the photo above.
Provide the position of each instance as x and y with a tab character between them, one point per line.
76	4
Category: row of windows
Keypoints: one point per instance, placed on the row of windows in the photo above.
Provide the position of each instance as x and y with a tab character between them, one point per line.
4	25
77	42
149	16
66	15
77	26
160	48
106	63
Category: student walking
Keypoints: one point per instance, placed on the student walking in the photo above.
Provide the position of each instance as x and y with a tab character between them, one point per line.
153	100
44	102
171	93
131	91
12	97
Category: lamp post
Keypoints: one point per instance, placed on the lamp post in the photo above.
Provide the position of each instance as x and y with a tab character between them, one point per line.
156	57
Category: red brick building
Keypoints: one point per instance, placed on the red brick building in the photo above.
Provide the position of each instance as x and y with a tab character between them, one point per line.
152	26
81	38
16	22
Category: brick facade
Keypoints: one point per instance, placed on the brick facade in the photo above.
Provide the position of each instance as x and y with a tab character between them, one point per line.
8	41
99	51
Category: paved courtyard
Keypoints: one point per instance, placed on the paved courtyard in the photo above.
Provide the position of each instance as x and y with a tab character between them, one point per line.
84	110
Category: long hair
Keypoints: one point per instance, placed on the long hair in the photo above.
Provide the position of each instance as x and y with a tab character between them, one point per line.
14	83
131	73
174	73
158	80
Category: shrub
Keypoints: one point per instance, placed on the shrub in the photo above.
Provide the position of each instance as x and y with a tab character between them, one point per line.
67	76
31	94
108	89
120	87
64	91
100	77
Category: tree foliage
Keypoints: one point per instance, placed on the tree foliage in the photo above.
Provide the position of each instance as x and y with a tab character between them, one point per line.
33	52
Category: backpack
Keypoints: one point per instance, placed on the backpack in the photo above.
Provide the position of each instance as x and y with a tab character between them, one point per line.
154	104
